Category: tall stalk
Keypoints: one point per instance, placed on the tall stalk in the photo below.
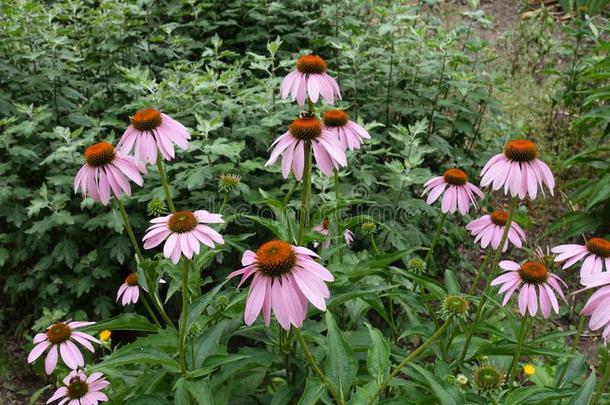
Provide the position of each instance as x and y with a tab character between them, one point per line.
140	257
523	331
437	234
602	385
306	195
480	271
183	315
316	369
494	263
164	183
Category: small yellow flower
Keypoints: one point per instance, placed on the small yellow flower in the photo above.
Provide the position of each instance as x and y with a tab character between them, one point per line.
105	335
529	370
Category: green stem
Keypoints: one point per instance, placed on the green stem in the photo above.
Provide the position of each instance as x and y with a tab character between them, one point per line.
316	369
224	203
290	192
439	332
602	385
436	237
494	263
579	329
168	196
375	248
129	230
306	195
337	213
136	247
523	331
149	309
480	271
183	315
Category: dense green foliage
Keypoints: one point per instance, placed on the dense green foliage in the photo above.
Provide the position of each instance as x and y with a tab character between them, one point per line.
73	72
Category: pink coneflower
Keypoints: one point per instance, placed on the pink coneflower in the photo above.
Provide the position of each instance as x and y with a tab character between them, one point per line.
490	228
61	336
184	231
595	253
349	237
350	134
518	169
310	80
598	303
79	389
327	150
527	277
151	130
458	192
322	229
107	169
285	278
129	290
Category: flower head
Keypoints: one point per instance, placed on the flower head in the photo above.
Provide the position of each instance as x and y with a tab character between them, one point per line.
105	335
417	265
490	229
79	389
597	305
349	237
455	306
286	278
528	277
156	208
184	231
461	379
595	254
518	170
322	229
327	150
368	228
152	130
61	337
529	369
487	377
107	170
310	80
350	134
129	290
458	192
228	182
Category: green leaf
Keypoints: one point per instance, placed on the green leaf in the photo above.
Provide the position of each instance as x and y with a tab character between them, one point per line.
378	354
584	393
201	391
341	364
283	395
436	386
575	367
313	390
130	322
130	356
200	304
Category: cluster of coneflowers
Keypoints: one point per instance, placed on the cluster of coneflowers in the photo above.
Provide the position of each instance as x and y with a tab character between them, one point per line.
286	275
519	173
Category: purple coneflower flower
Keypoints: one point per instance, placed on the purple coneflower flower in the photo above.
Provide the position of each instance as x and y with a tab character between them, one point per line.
79	389
285	278
310	80
490	228
594	255
350	134
458	192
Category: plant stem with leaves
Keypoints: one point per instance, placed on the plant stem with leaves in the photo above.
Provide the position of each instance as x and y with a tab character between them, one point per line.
316	369
494	263
164	183
523	331
183	315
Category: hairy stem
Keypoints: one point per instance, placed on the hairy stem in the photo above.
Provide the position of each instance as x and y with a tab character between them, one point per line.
306	195
436	237
523	331
184	315
164	183
316	369
601	388
494	263
473	287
